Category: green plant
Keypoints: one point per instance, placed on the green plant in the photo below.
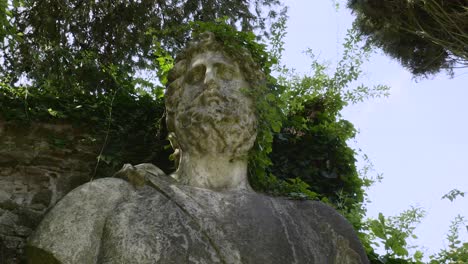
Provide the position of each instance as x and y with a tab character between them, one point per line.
457	252
425	36
453	194
393	232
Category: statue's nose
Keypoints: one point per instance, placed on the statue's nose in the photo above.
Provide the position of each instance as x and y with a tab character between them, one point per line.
210	76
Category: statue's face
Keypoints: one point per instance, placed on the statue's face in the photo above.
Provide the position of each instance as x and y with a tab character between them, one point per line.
214	114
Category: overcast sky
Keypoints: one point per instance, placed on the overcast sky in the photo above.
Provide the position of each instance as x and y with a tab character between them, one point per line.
417	137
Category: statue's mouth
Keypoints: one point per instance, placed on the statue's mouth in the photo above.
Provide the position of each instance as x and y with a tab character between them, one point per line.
212	100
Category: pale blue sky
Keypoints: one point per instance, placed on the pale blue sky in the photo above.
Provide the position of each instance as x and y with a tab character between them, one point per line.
417	137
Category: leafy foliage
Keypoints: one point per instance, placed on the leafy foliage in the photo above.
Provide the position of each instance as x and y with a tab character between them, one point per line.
424	35
94	62
80	62
453	194
5	15
65	46
457	252
394	231
312	145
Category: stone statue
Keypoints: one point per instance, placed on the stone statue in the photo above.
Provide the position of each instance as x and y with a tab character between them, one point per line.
205	212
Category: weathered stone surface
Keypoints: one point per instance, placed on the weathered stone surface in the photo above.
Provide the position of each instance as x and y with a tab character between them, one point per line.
205	212
164	222
34	174
39	164
80	224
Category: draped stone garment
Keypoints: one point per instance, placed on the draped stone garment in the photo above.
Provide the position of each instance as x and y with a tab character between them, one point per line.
110	221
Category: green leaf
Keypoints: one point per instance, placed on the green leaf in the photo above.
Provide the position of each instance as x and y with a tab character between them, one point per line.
418	255
382	219
378	229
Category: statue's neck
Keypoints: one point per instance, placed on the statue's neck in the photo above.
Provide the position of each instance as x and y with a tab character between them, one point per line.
215	172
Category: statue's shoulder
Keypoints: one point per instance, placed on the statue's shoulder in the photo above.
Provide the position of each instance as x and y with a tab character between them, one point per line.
71	231
323	210
96	193
336	227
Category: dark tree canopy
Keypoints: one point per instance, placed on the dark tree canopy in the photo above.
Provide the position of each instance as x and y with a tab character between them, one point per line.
426	36
316	151
80	46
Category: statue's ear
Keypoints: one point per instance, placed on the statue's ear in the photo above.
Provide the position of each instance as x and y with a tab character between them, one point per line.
175	156
173	139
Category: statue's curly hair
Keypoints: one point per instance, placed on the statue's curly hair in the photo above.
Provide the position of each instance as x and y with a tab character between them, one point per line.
206	42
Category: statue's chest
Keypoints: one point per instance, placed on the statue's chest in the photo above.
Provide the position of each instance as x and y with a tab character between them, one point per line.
158	229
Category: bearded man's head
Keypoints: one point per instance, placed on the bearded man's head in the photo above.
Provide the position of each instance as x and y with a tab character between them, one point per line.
207	100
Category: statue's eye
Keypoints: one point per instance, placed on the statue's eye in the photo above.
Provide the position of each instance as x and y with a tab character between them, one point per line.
226	72
195	75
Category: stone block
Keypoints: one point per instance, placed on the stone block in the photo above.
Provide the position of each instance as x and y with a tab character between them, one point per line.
42	197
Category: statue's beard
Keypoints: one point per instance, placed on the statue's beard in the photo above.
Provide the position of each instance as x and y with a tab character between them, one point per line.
216	124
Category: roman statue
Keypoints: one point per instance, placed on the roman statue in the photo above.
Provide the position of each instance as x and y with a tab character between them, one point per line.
206	211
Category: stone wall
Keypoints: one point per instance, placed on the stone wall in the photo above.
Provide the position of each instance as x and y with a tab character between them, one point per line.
39	164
